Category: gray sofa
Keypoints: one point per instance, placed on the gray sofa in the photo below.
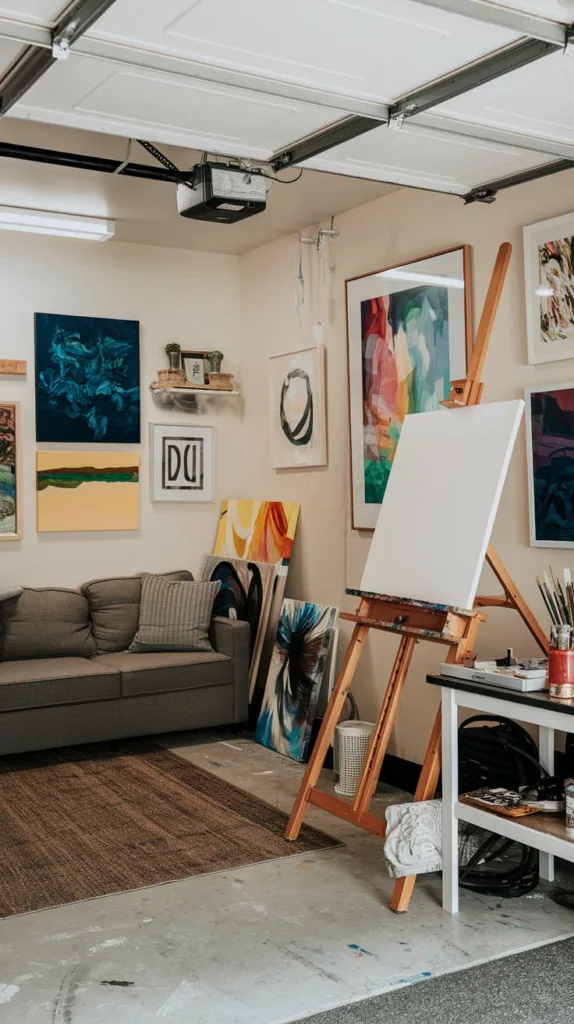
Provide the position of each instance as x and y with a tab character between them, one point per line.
66	675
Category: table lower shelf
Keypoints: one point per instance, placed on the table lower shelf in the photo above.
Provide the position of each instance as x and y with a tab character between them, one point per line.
544	832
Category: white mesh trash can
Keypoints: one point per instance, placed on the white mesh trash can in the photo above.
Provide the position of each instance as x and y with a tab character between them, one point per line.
350	749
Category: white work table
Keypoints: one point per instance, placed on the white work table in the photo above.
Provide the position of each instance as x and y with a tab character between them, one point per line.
544	832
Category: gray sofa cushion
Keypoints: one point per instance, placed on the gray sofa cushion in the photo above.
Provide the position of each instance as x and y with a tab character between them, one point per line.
163	671
45	681
46	622
115	608
174	615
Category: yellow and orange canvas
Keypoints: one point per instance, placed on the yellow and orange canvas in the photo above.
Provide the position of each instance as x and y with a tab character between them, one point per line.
262	531
87	491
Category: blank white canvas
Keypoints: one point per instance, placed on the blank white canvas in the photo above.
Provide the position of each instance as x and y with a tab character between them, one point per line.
438	511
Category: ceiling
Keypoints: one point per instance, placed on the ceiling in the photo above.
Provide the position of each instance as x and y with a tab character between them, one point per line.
145	211
252	78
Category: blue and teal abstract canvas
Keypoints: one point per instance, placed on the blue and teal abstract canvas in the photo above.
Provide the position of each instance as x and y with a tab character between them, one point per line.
298	663
87	379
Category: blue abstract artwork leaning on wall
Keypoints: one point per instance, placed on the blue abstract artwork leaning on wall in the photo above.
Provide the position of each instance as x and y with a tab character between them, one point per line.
87	379
298	664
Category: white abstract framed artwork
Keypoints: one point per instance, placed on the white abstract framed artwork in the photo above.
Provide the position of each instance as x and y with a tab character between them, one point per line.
183	462
549	281
432	534
297	408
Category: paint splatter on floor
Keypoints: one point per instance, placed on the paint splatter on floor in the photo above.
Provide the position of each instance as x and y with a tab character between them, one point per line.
107	944
7	992
358	950
118	984
412	980
178	1000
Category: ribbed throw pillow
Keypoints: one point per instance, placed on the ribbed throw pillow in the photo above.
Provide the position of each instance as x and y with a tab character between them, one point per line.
174	615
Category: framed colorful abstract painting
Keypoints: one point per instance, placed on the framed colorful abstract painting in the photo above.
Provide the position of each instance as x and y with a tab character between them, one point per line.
87	379
182	463
409	333
549	280
87	491
10	528
298	662
297	408
550	451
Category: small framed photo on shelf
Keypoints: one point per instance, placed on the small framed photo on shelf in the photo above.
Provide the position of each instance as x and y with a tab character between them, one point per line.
183	462
196	366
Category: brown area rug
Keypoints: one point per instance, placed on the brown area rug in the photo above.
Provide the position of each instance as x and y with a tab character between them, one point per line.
89	821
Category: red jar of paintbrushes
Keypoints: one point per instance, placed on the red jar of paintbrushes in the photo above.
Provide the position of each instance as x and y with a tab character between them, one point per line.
561	674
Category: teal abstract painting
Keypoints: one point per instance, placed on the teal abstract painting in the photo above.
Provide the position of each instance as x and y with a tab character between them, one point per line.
87	379
296	673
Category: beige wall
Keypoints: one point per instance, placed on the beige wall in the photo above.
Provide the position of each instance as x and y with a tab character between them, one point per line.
189	297
329	555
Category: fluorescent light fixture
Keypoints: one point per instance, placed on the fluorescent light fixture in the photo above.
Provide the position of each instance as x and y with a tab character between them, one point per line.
411	275
40	222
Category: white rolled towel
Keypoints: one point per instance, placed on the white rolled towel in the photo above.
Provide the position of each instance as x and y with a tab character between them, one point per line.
413	844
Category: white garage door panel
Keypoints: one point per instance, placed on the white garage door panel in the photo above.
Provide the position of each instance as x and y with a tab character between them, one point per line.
8	53
44	11
424	158
375	49
553	10
537	100
96	94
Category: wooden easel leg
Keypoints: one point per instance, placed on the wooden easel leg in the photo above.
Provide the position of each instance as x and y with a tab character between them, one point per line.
430	771
382	733
425	790
516	599
327	731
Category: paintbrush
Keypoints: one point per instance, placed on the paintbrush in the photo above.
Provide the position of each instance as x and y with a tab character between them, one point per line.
569	592
546	599
560	597
553	600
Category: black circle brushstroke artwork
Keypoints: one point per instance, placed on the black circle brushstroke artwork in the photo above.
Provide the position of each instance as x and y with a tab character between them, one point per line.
302	432
233	601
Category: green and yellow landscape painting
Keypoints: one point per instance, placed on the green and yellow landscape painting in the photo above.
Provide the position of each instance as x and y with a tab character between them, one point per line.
87	491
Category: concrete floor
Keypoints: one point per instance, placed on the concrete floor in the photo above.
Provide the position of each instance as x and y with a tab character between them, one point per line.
265	944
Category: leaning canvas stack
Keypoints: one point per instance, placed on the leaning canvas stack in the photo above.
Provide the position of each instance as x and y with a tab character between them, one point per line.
260	532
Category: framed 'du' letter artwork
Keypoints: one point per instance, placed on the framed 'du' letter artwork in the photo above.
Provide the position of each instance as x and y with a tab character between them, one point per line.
297	408
182	463
409	334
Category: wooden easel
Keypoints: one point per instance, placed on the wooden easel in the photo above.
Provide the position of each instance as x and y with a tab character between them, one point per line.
413	621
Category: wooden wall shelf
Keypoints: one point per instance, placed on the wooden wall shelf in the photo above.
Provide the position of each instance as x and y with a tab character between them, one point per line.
188	399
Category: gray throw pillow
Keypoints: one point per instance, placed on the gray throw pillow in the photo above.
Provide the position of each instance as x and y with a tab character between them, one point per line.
174	615
8	590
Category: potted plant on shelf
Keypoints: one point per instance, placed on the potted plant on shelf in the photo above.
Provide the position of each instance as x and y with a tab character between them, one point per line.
173	354
215	358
